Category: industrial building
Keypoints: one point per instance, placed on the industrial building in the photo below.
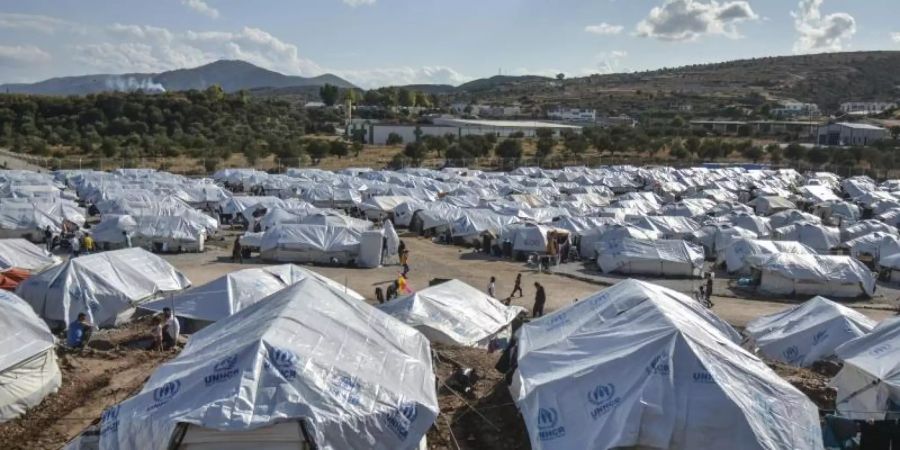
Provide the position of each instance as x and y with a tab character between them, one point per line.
850	134
377	133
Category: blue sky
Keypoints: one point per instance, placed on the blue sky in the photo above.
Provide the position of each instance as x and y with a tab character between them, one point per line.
383	42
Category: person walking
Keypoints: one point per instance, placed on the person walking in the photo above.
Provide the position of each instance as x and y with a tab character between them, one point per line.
540	297
75	245
48	238
404	261
517	287
709	286
237	254
88	243
492	287
171	329
127	237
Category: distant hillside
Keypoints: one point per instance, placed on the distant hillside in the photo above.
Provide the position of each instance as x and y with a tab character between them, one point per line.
231	75
826	79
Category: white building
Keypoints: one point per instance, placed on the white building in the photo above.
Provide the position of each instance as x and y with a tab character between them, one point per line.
499	111
377	133
850	134
794	109
866	108
573	114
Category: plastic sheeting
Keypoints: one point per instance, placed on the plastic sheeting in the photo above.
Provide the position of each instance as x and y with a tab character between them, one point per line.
28	369
868	386
24	255
806	333
669	374
662	257
817	237
455	313
737	256
354	376
839	276
237	290
106	286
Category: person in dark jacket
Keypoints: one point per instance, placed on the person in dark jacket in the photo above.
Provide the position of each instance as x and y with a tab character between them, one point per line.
540	297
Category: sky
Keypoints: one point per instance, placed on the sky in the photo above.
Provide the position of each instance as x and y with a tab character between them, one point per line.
376	43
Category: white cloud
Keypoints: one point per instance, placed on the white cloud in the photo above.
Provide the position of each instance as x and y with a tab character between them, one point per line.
895	37
604	29
355	3
19	55
33	22
202	7
397	76
684	20
606	63
821	33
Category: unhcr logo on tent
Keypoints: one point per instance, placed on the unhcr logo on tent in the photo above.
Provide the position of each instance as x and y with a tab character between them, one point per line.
346	388
164	393
548	425
224	370
282	361
604	399
703	377
109	420
792	355
820	337
659	365
557	320
880	351
401	419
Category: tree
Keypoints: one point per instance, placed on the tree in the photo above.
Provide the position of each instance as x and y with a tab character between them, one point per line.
329	94
509	149
438	144
338	148
545	144
394	139
775	153
818	156
677	122
415	151
317	149
423	100
109	147
679	152
692	145
406	98
455	152
795	152
753	153
576	144
357	147
560	76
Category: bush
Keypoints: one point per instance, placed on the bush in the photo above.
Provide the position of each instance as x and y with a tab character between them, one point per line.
394	139
509	149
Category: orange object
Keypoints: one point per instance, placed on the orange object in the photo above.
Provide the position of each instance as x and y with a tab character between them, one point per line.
10	279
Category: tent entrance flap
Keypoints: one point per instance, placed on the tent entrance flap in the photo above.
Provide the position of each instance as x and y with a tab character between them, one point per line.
281	436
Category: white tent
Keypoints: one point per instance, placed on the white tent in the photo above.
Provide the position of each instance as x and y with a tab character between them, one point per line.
28	369
641	257
340	373
382	206
794	274
817	237
865	227
24	255
790	217
455	313
875	245
641	366
106	286
237	290
769	205
667	227
868	386
613	231
806	333
323	244
737	256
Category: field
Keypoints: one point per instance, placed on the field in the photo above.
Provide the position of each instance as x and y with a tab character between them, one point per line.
116	366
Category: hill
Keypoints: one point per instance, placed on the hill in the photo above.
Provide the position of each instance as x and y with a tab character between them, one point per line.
826	79
231	75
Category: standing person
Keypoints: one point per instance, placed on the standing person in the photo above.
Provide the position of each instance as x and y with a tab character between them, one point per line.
75	245
48	238
88	243
492	287
171	329
709	286
127	239
404	261
517	287
157	332
540	297
401	248
237	254
79	333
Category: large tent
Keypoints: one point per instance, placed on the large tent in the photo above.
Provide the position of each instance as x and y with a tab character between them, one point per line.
661	257
868	386
455	313
796	274
340	373
28	368
324	244
738	255
641	366
106	286
235	291
806	333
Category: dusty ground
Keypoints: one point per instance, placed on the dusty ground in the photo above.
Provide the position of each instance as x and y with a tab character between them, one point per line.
115	369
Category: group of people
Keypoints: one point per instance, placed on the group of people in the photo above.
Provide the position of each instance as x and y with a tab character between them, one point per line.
540	296
79	241
165	332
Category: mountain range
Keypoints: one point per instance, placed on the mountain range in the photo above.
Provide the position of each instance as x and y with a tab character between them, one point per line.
229	74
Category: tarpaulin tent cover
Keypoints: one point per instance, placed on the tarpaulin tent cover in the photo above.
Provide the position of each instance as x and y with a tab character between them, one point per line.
641	366
313	237
454	313
102	285
736	255
24	255
814	274
237	290
868	386
355	376
806	333
661	257
28	369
